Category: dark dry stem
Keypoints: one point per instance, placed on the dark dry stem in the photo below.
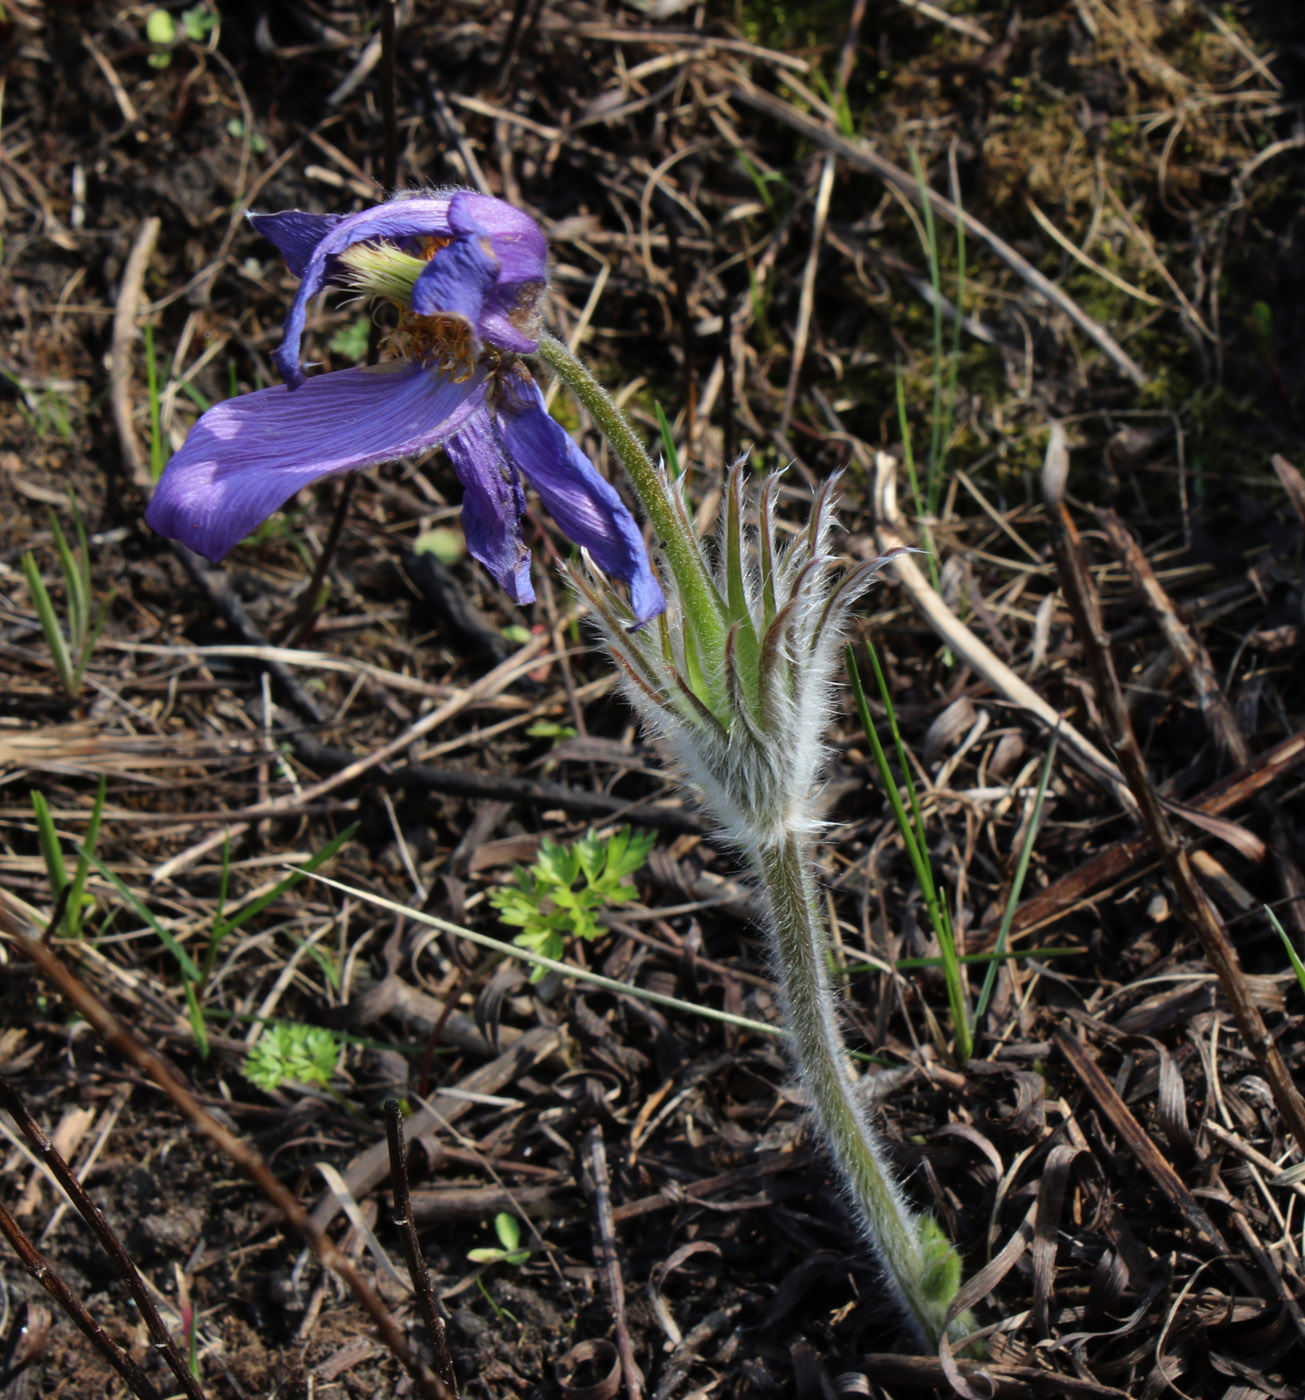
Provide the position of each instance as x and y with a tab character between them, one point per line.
116	1035
109	1242
1192	899
36	1265
407	1228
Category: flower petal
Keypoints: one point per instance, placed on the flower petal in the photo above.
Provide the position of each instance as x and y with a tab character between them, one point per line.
295	233
586	506
492	502
454	282
398	220
517	240
246	457
522	253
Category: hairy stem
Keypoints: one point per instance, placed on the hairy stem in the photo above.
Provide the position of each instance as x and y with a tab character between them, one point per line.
907	1246
697	591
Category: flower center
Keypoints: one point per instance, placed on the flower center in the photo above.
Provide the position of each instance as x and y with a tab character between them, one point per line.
444	343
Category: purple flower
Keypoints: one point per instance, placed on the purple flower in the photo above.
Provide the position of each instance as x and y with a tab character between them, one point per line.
467	273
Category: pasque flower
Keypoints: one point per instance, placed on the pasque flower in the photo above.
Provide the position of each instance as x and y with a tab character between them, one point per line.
736	679
467	273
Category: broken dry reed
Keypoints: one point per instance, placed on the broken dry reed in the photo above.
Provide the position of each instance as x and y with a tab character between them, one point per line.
242	1155
1197	909
122	1262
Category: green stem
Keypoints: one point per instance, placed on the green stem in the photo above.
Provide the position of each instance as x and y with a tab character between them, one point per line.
701	601
908	1246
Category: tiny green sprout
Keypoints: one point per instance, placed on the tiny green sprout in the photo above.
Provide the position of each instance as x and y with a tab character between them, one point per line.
198	22
508	1230
547	907
161	32
291	1054
447	546
236	130
551	729
350	341
160	29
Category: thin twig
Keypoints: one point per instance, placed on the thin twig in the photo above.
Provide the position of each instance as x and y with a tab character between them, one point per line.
859	154
1084	606
109	1242
598	1178
115	1035
407	1228
120	351
984	660
889	541
1219	715
40	1269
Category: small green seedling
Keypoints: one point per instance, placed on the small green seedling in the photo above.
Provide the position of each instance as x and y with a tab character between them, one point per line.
78	902
197	23
236	130
70	650
292	1054
194	975
546	906
350	341
508	1230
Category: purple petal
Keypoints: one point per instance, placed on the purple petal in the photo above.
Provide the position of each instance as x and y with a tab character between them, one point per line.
246	457
492	502
586	506
455	281
518	241
295	234
522	254
504	308
399	219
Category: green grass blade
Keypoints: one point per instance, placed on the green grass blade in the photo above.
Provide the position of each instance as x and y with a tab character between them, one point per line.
73	916
51	850
1297	966
50	624
932	482
157	458
1017	884
195	1015
187	965
313	863
219	930
668	443
912	832
78	600
581	974
93	636
83	546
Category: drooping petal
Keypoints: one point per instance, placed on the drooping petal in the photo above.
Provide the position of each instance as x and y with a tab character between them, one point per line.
455	281
586	506
517	240
398	220
246	457
509	319
295	233
492	503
